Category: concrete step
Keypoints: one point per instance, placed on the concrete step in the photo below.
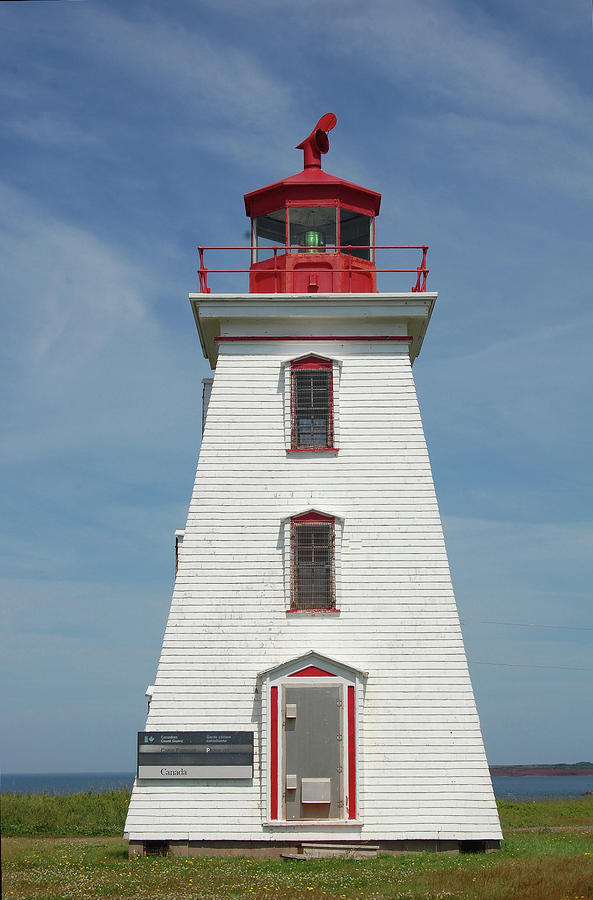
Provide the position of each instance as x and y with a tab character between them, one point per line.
315	850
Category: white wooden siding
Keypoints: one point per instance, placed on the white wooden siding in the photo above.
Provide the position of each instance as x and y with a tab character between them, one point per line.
421	763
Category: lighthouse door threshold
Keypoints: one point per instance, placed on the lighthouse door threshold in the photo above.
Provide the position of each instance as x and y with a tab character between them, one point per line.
313	765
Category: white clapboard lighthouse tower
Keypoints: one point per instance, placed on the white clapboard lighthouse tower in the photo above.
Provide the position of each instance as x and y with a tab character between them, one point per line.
312	688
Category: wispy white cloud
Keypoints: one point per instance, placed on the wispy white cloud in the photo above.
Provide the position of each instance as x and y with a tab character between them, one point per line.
557	17
52	129
530	152
523	551
70	292
80	314
223	81
457	52
514	389
511	571
481	86
464	57
211	92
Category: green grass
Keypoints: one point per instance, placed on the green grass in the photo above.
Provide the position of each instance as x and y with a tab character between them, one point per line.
38	865
72	815
553	811
89	815
533	866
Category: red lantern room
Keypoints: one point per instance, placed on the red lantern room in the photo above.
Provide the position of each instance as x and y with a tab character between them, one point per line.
313	232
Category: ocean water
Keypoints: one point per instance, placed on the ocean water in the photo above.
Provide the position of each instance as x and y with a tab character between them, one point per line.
505	786
523	787
77	783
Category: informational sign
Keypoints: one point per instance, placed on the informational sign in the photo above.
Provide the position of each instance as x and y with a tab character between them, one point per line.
195	754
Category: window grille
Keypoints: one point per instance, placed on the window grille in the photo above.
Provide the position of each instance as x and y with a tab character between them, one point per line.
312	420
313	565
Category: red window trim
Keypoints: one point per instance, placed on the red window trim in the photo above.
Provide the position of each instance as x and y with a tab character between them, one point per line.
312	612
312	449
312	363
312	516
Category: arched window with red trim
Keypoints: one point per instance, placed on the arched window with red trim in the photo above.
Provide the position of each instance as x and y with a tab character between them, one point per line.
312	420
312	561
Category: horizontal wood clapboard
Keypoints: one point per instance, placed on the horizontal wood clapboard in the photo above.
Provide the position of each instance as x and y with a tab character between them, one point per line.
420	759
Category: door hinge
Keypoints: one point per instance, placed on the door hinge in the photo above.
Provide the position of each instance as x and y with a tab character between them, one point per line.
339	704
339	737
339	770
340	804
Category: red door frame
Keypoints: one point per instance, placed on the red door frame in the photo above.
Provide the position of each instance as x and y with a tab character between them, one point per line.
312	671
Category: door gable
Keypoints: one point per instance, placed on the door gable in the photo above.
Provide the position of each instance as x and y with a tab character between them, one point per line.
312	664
311	672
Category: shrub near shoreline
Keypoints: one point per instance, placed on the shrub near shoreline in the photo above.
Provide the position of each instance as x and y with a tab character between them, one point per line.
103	815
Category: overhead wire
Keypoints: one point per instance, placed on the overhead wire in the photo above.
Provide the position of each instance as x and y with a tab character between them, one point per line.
477	662
525	624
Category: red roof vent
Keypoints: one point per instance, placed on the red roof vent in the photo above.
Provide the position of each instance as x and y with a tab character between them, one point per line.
318	141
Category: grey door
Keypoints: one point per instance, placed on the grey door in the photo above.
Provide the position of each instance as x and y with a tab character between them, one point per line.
313	752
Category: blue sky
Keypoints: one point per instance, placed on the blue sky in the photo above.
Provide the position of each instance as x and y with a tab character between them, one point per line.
131	132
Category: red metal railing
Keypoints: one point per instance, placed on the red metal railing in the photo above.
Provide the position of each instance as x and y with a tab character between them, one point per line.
421	271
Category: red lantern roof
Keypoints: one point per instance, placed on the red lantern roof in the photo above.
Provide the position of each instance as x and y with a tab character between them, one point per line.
316	186
313	186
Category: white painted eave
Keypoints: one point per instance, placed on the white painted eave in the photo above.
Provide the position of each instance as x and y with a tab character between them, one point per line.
303	312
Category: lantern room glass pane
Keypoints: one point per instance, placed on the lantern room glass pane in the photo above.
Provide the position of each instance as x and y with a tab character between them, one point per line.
269	231
312	228
356	230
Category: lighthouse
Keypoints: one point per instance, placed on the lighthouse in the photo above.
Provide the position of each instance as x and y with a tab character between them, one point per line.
312	694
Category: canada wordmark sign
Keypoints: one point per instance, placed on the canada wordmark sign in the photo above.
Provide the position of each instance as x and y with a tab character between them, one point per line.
195	754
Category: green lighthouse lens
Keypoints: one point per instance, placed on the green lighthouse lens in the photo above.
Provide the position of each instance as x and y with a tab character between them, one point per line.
313	241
